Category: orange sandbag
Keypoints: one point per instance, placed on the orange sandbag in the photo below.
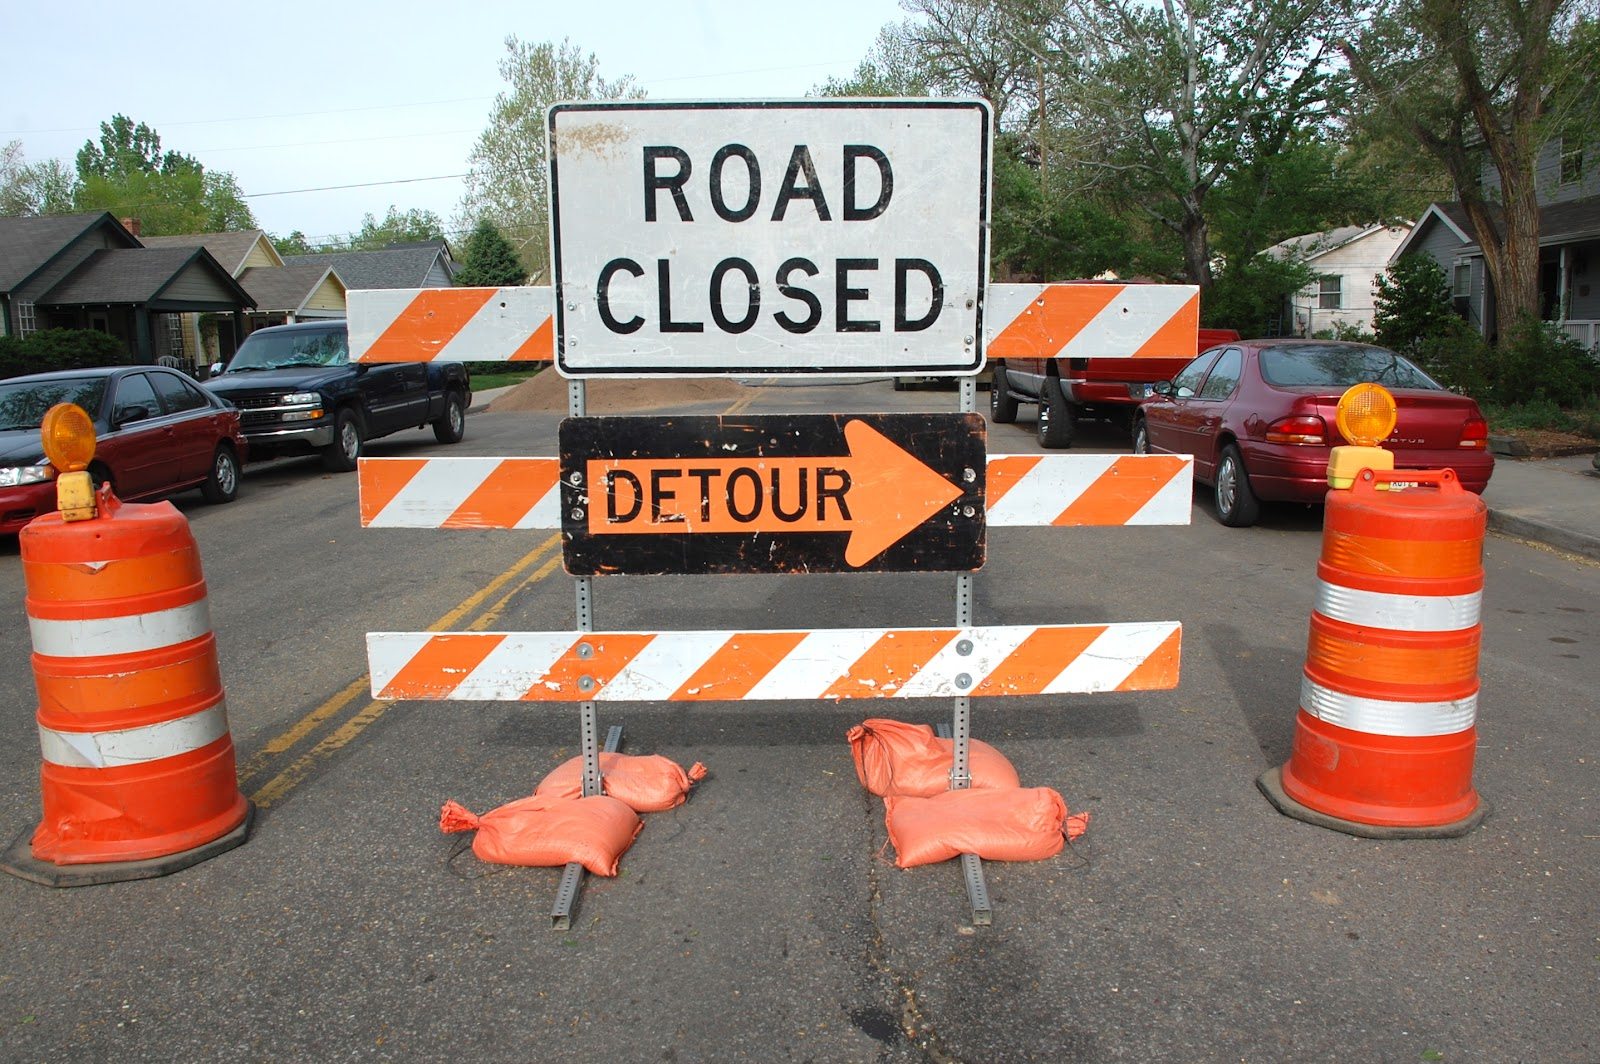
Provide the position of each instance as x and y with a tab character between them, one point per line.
1026	824
544	832
893	757
648	783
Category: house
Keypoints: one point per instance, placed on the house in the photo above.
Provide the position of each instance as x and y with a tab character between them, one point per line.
1567	182
89	271
428	264
1348	262
283	294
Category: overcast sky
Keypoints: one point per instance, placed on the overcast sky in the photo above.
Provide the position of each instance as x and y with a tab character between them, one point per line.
297	95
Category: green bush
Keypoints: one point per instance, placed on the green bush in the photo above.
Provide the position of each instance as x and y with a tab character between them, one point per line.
11	357
51	349
1412	306
1537	361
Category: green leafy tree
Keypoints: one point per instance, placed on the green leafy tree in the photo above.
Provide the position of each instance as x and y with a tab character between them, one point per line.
507	181
1481	83
398	227
28	189
293	244
1412	305
129	174
488	260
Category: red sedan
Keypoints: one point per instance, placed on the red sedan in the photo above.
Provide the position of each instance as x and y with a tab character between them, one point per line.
1258	416
157	433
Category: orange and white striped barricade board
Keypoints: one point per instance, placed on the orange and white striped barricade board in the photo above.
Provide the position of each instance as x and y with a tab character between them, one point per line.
830	664
451	324
1020	321
1023	490
1091	320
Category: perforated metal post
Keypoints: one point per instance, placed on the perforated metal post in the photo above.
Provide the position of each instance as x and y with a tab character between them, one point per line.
960	731
572	874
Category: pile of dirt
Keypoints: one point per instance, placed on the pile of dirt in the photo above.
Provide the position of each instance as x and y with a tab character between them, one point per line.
1540	443
547	392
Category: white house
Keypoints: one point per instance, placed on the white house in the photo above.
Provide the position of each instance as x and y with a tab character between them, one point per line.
1348	262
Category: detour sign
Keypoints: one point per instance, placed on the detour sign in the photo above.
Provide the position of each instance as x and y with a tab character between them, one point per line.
788	493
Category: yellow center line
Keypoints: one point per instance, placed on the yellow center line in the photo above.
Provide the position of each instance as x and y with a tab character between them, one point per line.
311	721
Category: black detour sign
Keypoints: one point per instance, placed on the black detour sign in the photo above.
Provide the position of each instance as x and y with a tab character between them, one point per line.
776	494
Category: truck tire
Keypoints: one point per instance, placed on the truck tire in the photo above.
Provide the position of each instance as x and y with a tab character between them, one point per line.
349	440
1237	506
452	424
1055	416
223	483
1002	404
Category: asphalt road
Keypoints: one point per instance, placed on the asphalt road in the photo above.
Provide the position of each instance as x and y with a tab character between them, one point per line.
765	919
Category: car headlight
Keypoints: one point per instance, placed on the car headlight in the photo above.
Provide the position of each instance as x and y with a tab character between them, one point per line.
296	398
15	476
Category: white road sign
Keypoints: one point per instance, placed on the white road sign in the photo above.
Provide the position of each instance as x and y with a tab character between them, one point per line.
838	237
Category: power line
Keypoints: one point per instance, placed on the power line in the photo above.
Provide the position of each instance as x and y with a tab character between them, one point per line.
359	184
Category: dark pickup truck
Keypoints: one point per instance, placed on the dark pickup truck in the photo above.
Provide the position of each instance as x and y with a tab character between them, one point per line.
298	393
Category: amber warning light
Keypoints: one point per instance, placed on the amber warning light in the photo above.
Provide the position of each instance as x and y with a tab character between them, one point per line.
67	434
1366	415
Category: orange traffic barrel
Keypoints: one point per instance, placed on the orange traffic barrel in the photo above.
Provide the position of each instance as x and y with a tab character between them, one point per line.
138	775
1386	734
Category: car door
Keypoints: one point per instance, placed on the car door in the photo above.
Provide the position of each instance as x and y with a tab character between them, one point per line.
192	419
141	449
1201	420
396	396
1163	417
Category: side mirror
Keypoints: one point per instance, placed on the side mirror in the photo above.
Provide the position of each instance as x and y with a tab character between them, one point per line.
1162	388
127	415
216	368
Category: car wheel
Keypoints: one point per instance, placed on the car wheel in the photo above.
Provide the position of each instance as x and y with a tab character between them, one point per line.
1002	404
1055	417
1141	436
223	483
900	384
452	424
1237	505
341	455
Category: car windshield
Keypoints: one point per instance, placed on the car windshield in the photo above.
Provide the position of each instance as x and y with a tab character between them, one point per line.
23	404
1340	366
279	350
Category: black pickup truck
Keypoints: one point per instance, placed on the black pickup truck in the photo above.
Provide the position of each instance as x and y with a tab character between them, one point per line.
298	393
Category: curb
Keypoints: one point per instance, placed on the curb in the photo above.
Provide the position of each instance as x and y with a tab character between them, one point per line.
1539	532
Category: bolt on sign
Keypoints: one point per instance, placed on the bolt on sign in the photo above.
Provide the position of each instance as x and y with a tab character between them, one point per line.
773	494
838	237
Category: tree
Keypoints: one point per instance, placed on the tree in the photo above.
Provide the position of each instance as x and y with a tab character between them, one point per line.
293	244
129	174
1474	82
408	227
507	182
488	260
1412	305
28	189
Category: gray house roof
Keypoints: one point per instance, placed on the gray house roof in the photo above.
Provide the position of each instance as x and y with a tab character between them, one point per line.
284	287
28	244
1559	223
229	249
405	266
1314	244
134	276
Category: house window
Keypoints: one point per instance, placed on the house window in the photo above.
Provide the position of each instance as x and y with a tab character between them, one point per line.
27	321
1462	286
1328	293
1571	164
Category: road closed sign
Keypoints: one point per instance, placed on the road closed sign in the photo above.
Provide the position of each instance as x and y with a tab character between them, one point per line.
836	237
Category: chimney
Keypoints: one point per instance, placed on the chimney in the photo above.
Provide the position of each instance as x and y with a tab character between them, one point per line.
131	225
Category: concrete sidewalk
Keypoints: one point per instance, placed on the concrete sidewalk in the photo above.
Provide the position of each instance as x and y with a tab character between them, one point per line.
1555	501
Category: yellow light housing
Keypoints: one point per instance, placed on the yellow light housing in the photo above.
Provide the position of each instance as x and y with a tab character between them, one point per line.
1366	414
68	437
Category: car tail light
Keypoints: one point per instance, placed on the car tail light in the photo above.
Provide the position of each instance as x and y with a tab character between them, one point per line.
1304	429
1475	434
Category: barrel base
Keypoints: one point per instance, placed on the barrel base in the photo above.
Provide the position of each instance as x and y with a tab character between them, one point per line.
18	859
1270	783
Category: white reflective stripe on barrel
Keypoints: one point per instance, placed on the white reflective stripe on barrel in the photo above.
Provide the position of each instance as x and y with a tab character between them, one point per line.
131	634
1401	613
1377	716
134	746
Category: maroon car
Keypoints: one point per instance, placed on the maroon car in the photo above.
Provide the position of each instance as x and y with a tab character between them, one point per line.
157	432
1258	416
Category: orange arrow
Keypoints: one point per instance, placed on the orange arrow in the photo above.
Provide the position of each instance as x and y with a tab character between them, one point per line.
878	493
